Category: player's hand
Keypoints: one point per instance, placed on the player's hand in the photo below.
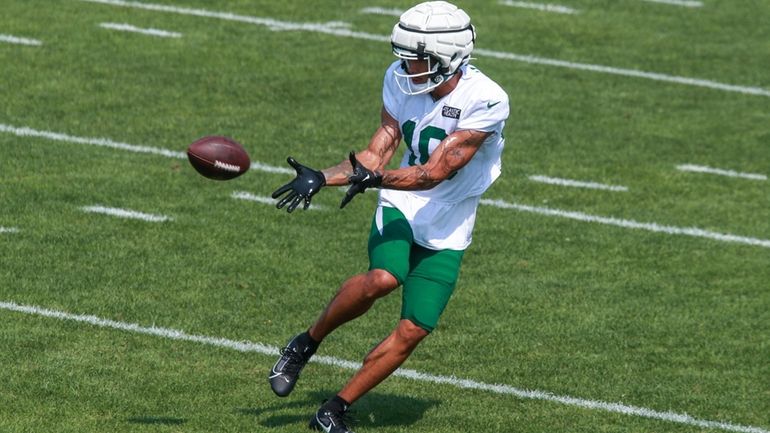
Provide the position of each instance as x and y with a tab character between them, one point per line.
304	186
361	179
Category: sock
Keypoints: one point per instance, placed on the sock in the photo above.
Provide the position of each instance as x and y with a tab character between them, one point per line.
307	344
337	404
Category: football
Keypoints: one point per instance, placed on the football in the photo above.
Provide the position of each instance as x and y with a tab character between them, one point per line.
219	158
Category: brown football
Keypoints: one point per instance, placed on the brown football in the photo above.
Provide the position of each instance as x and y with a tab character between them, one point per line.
218	157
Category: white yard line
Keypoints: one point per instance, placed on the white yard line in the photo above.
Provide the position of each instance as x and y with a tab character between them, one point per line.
126	213
630	224
271	168
243	195
576	183
335	30
102	142
685	3
691	231
105	142
625	72
149	31
264	349
334	27
9	230
21	41
545	7
719	171
382	11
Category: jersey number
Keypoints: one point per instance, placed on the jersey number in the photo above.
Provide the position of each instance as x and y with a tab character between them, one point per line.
424	139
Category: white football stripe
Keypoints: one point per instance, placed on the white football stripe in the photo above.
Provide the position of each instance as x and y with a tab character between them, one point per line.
21	41
247	346
336	31
129	28
9	230
104	142
126	213
719	171
576	183
545	7
630	224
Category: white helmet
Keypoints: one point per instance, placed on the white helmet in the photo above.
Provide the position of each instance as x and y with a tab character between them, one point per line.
437	31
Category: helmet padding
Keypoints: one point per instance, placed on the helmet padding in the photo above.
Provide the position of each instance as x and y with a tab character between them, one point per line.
437	30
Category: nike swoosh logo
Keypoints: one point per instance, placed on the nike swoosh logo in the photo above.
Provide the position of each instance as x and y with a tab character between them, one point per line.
276	374
327	428
492	104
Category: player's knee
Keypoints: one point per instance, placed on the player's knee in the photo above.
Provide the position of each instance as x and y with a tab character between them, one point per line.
409	333
379	283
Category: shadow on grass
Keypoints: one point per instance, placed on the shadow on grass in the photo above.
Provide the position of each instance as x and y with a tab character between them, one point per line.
373	410
161	420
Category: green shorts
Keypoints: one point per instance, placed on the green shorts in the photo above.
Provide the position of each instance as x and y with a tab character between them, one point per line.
428	276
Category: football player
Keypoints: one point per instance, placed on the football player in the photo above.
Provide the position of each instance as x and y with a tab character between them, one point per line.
451	117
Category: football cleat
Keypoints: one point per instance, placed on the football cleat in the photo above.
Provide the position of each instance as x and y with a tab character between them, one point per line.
329	420
285	372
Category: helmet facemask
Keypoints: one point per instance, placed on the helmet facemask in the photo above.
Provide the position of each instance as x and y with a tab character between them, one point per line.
434	75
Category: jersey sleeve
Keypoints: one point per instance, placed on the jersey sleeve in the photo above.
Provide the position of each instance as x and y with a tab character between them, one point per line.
391	95
486	112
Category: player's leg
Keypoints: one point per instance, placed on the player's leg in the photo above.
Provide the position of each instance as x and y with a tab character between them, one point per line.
379	364
384	359
430	285
427	290
354	298
389	246
390	242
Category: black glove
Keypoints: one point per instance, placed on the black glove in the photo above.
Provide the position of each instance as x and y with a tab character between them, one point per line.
302	188
361	179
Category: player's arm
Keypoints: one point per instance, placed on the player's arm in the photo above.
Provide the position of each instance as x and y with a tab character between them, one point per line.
381	148
452	154
308	181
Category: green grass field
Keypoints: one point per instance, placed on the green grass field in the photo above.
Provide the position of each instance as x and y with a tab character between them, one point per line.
630	309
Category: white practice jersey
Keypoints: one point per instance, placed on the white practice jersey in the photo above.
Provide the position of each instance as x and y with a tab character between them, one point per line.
443	217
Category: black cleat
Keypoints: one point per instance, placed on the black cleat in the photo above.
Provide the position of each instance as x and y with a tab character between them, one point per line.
286	371
329	420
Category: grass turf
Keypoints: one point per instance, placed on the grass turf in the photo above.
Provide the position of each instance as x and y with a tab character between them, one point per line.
654	320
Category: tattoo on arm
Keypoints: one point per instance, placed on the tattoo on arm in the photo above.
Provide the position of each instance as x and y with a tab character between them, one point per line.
381	149
453	158
338	174
447	158
417	177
